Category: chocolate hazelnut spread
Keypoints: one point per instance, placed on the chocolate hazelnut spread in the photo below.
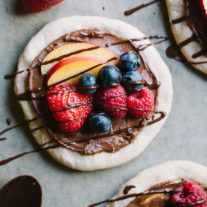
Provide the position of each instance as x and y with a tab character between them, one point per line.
123	131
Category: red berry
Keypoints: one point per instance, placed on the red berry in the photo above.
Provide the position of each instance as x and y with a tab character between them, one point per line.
189	193
112	101
70	107
38	5
137	102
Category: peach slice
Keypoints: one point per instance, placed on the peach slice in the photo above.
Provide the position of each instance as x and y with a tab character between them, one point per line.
203	5
69	70
77	50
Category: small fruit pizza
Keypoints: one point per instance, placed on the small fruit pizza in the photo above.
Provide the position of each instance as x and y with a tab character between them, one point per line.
96	88
175	183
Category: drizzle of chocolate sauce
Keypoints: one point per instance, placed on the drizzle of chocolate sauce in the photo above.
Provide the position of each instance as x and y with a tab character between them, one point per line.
2	138
11	76
21	191
46	114
143	123
69	54
198	25
131	11
167	191
192	13
128	188
17	125
41	148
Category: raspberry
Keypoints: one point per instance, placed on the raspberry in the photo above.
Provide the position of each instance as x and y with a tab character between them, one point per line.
112	101
189	193
138	101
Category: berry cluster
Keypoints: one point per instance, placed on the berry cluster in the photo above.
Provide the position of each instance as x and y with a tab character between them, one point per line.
114	92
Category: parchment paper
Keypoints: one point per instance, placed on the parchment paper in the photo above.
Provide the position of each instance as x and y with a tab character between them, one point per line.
183	137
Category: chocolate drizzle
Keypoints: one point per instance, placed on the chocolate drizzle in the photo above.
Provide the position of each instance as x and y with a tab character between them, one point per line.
148	192
41	148
24	191
17	125
128	188
45	147
131	11
69	54
130	41
2	138
198	24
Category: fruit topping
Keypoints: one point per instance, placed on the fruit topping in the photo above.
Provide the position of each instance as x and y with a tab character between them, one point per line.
112	101
99	122
87	83
130	61
141	103
76	50
38	5
189	194
75	71
71	69
109	76
133	81
69	107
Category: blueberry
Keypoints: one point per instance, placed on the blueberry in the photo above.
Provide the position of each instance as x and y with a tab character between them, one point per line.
132	76
87	80
129	61
109	75
99	122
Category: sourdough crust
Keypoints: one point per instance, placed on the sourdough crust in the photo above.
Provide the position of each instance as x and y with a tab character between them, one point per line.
160	173
102	160
182	31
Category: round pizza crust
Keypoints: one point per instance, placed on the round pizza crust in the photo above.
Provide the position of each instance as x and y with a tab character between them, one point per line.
58	28
171	170
182	31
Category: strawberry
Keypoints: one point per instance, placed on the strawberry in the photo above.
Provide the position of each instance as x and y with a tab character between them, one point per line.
38	5
69	106
112	101
138	101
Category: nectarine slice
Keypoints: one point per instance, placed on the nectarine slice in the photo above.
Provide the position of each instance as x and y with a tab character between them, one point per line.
71	69
77	50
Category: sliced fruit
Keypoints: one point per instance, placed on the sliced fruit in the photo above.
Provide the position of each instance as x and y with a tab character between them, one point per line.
203	5
81	51
71	69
